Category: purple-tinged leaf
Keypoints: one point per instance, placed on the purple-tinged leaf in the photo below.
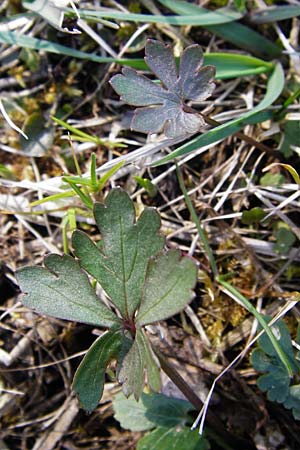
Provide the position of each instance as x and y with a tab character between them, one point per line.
138	90
195	82
165	108
159	57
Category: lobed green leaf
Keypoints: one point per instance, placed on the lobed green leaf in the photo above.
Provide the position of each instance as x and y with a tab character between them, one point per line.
61	289
150	411
120	266
177	438
168	287
276	383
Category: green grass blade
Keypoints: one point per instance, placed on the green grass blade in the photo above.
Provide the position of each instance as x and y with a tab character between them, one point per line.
77	180
275	13
231	65
85	198
109	174
229	288
76	131
94	181
228	65
204	17
236	33
274	89
13	38
248	305
200	230
53	198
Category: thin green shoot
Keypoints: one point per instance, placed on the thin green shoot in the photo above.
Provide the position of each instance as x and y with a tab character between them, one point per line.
94	181
235	294
78	135
68	223
84	196
281	112
195	218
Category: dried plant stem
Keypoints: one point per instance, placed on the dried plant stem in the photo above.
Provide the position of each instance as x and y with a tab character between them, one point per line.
241	136
228	441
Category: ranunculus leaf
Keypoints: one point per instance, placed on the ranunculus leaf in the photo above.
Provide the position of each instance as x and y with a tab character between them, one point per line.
164	106
120	266
61	289
168	287
143	283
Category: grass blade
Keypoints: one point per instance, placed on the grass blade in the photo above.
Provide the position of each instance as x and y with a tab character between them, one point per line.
235	33
228	65
264	324
204	17
275	13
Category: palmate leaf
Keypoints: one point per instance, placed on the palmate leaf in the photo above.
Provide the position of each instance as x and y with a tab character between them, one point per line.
150	411
168	287
120	266
164	107
143	283
176	438
293	401
276	380
61	289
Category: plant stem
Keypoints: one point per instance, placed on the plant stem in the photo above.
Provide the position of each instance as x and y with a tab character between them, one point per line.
241	136
213	421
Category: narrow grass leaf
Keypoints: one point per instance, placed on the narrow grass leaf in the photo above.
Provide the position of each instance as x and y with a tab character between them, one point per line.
275	14
236	33
204	17
228	65
241	65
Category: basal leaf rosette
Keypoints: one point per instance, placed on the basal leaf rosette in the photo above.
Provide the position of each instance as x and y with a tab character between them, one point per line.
163	106
143	282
